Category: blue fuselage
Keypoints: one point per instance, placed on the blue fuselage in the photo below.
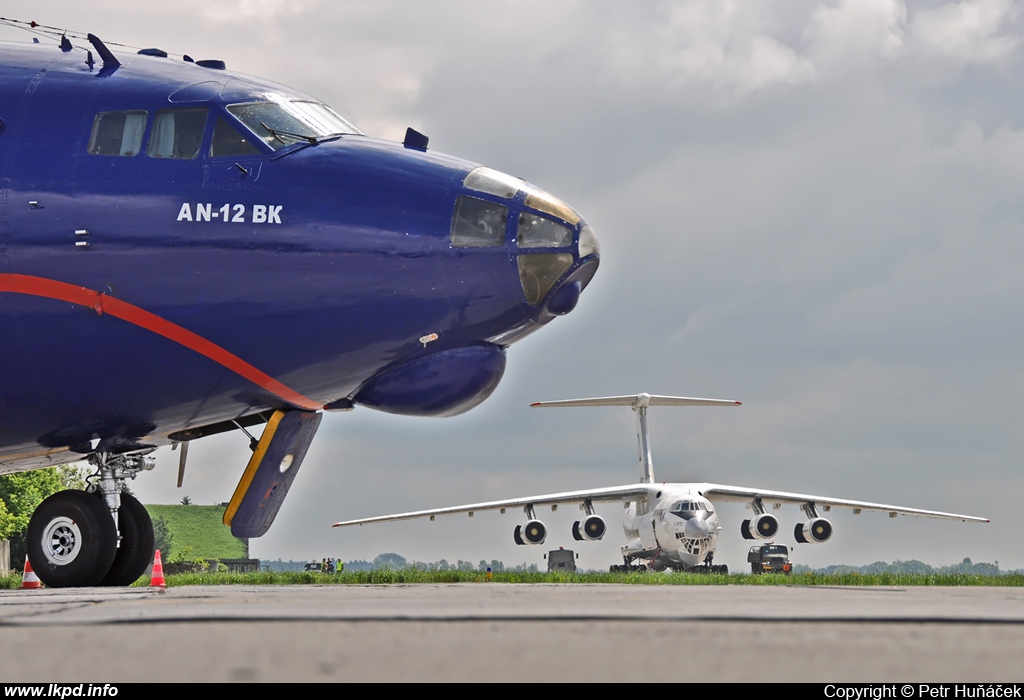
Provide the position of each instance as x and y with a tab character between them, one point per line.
143	297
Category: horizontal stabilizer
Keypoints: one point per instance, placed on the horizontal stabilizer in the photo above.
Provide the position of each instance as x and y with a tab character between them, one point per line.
636	401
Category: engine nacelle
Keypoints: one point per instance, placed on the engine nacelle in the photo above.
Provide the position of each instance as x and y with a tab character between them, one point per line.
763	527
532	532
814	531
592	528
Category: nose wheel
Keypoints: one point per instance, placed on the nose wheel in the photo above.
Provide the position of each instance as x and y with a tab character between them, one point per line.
99	537
137	543
72	540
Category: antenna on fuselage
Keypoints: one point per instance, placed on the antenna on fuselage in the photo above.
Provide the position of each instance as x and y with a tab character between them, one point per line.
639	403
110	62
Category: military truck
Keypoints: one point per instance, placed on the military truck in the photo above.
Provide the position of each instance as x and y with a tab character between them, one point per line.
769	558
562	560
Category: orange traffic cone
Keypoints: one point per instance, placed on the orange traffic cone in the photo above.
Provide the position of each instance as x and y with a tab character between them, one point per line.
157	578
29	578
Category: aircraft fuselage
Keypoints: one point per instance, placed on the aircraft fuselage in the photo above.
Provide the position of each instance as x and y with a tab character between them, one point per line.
674	527
152	288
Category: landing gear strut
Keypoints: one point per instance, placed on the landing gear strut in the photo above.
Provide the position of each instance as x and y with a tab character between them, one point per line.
100	536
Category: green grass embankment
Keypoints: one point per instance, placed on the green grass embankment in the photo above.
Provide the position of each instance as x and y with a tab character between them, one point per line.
199	529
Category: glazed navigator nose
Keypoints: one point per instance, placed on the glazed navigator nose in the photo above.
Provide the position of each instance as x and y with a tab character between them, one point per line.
556	251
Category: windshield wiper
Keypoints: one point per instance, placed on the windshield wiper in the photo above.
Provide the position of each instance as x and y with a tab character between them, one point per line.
278	134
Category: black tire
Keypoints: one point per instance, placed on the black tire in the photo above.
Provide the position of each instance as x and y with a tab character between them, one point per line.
135	554
71	540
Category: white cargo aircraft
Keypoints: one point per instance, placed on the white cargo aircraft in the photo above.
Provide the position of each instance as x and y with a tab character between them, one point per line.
669	525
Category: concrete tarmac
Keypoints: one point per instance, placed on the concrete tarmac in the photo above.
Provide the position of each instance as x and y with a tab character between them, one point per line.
513	632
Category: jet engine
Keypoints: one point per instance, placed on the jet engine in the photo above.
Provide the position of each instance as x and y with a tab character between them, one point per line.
765	526
814	531
533	532
592	528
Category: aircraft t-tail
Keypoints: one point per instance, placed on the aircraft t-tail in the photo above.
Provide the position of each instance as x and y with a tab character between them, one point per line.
186	250
669	525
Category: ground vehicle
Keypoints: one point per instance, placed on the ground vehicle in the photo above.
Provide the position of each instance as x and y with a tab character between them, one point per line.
561	559
769	558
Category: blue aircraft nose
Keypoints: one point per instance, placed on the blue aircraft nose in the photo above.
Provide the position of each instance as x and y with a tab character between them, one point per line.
522	257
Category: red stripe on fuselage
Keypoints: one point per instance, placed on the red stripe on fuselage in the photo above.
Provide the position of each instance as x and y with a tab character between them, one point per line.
105	304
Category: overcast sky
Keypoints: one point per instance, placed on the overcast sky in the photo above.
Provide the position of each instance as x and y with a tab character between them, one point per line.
812	207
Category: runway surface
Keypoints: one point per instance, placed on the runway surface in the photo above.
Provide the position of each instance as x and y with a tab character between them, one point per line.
513	632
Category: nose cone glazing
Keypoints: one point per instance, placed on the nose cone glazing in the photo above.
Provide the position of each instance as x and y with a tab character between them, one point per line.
557	252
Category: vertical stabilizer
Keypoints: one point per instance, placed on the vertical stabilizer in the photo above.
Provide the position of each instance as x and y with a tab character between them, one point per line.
639	403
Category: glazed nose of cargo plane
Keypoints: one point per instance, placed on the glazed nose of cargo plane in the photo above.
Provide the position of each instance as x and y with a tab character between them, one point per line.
556	251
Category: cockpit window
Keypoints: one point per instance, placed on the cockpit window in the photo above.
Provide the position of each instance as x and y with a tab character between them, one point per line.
177	133
281	122
117	133
227	141
493	182
537	232
689	507
477	223
542	201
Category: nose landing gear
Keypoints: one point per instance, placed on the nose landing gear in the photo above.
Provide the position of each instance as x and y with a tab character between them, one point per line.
72	540
101	536
135	553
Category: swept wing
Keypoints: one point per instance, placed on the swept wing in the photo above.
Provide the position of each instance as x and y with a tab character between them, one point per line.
611	493
719	492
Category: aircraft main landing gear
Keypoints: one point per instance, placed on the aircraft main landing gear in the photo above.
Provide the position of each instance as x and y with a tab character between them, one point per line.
100	536
627	567
710	567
